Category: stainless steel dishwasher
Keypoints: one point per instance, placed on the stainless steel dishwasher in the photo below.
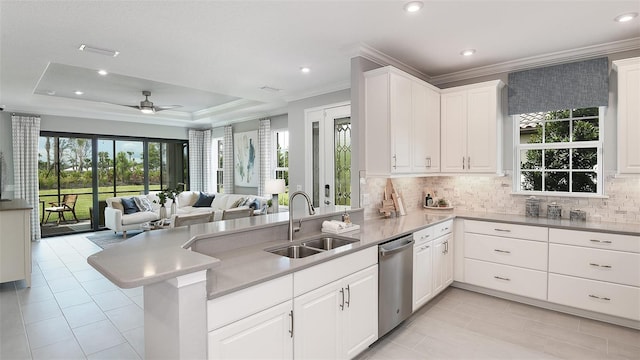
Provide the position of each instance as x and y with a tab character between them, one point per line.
395	282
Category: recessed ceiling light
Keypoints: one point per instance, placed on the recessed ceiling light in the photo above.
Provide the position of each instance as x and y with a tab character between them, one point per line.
305	69
107	52
413	6
78	92
626	17
51	92
468	52
103	72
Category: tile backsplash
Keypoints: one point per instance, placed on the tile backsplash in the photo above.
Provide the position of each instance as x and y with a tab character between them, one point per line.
493	194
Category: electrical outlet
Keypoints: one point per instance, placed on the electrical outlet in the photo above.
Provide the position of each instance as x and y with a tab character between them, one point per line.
365	199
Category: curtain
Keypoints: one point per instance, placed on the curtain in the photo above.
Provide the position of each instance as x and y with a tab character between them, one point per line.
26	134
264	137
200	176
227	161
567	86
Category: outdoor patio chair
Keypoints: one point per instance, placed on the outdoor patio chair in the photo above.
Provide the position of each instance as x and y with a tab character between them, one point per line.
68	203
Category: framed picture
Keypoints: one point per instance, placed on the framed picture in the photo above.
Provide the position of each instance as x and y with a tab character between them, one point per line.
246	165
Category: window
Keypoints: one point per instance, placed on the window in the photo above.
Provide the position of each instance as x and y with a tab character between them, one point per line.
219	162
280	161
559	152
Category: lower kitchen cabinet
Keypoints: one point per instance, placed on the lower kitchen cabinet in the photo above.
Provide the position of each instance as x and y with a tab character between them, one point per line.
265	335
422	273
337	320
442	263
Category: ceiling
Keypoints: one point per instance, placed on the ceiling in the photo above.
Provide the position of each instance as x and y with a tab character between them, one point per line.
213	57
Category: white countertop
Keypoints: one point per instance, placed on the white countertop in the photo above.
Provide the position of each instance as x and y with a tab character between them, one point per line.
160	255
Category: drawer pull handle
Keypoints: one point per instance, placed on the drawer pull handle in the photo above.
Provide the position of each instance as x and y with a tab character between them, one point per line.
444	229
602	266
502	278
598	297
503	230
601	241
502	251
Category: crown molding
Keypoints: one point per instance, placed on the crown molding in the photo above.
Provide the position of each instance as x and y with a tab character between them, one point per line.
554	58
321	91
383	59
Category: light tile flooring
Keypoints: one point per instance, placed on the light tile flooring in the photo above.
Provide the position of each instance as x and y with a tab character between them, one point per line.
73	312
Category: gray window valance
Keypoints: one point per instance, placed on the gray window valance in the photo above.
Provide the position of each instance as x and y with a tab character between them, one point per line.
567	86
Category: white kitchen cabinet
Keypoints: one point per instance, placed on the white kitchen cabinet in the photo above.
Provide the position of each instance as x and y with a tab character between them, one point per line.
511	279
15	241
265	335
422	273
402	116
628	115
442	263
337	320
471	128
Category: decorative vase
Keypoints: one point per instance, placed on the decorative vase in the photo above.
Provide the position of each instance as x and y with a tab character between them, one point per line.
163	212
173	207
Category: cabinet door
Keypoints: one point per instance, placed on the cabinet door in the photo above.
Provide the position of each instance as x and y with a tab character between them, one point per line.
260	336
360	316
422	275
628	115
481	130
426	129
453	127
439	257
400	124
317	327
448	261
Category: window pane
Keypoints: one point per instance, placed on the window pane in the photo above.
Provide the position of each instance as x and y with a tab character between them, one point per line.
129	167
585	130
531	180
556	159
155	162
558	114
556	181
531	159
584	182
531	128
585	112
585	159
556	131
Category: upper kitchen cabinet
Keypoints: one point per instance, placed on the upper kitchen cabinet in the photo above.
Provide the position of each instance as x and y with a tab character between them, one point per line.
402	124
628	115
471	128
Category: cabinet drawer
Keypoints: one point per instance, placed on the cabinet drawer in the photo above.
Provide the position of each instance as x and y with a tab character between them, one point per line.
442	228
502	250
595	239
511	279
607	298
240	304
606	265
424	235
536	233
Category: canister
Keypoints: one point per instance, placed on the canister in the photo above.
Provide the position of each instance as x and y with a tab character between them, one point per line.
577	215
532	207
554	211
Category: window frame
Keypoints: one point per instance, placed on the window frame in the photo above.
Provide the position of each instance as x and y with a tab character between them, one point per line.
518	148
216	160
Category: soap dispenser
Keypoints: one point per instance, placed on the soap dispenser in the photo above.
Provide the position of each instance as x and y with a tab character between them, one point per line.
346	218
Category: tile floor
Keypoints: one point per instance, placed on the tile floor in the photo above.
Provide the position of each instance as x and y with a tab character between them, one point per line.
73	312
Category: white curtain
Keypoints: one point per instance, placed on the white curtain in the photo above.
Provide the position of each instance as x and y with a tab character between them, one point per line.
227	161
200	176
264	137
26	134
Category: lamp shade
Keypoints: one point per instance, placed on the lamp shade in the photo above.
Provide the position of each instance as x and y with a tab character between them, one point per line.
274	186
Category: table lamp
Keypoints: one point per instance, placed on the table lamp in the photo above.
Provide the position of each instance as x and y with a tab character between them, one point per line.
274	187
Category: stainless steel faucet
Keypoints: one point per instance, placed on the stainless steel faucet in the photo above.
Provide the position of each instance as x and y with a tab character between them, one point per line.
312	211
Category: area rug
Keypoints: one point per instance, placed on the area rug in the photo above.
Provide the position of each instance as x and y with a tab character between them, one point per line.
108	238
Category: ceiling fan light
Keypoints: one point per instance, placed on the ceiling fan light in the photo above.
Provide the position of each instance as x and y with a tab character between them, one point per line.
146	110
626	17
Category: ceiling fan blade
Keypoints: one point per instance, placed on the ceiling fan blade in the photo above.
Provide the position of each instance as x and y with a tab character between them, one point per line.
166	107
131	106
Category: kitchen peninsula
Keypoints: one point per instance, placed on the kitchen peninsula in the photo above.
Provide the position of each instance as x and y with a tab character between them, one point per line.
190	274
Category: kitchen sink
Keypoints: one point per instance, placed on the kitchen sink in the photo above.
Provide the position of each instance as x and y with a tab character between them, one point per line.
295	251
312	246
328	242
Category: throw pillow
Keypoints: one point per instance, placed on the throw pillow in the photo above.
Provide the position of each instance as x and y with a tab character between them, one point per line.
143	203
237	203
204	200
129	206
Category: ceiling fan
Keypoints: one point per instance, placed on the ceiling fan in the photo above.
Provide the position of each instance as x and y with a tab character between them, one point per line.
147	107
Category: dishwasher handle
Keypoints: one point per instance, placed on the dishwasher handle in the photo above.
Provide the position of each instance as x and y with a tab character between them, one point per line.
390	251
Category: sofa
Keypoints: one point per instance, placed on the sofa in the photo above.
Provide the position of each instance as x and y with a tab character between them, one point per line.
121	218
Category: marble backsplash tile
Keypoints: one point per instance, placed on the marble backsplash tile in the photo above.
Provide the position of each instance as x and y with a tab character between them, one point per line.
492	194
